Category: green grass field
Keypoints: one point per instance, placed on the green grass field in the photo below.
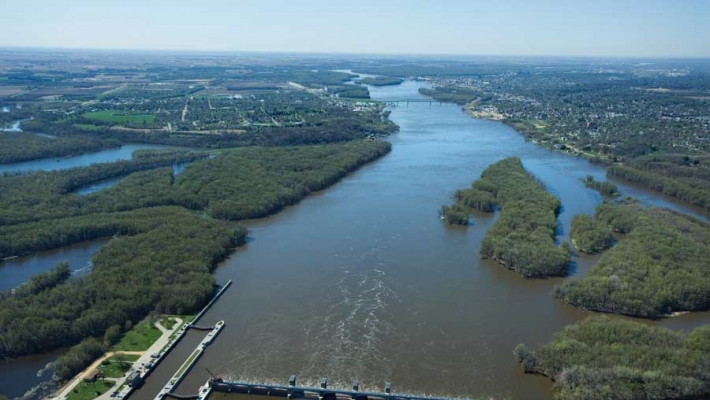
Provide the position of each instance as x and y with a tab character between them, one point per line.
120	117
539	125
116	369
140	338
186	319
168	322
87	391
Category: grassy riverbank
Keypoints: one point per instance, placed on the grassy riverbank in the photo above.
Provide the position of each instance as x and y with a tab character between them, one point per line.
90	391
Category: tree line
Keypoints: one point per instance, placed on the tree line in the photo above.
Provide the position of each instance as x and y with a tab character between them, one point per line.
605	188
693	193
466	199
523	237
381	81
17	147
659	265
457	95
164	264
590	235
455	214
49	194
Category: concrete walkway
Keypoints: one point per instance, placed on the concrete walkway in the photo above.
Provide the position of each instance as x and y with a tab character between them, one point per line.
144	359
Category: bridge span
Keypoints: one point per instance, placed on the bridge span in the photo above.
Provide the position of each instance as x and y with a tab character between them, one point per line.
395	103
293	391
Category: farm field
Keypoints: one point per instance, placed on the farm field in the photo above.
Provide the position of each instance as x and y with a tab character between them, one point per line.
120	117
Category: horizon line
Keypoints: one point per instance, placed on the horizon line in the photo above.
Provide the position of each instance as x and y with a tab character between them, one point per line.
346	53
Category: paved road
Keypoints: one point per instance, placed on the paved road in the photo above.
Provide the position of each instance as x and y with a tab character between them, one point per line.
145	358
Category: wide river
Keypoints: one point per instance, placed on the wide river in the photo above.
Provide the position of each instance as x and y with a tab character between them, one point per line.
364	281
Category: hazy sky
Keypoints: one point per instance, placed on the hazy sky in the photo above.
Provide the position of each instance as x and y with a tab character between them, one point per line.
667	28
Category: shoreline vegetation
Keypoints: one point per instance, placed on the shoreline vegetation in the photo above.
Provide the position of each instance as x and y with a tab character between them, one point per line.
381	81
605	188
464	200
612	358
523	237
169	233
673	181
590	235
684	176
24	146
455	214
659	265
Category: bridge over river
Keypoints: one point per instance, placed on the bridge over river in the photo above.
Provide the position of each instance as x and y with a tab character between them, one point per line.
395	103
293	391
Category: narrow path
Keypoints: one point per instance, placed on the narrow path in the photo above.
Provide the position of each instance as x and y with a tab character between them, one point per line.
145	358
184	110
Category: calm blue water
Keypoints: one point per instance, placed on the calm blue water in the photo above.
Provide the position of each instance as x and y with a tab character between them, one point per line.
16	271
107	183
50	164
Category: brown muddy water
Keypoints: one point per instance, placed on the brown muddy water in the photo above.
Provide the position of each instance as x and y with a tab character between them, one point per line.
364	281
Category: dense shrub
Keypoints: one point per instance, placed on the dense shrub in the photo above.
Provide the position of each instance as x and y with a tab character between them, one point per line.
77	358
477	199
603	358
523	237
589	235
659	266
455	214
605	188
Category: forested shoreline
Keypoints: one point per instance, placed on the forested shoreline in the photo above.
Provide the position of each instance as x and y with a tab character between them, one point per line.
659	265
164	246
33	196
381	81
162	260
477	198
18	147
223	186
612	358
523	237
694	191
604	188
455	214
459	95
